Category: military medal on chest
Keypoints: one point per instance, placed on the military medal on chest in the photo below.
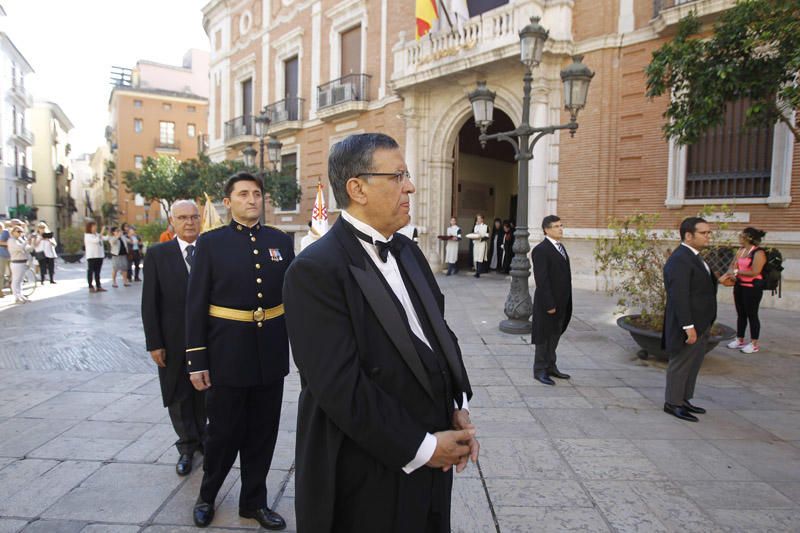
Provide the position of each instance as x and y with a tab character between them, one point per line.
275	254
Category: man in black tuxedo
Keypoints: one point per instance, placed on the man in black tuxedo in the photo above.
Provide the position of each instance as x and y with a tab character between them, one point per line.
382	415
166	275
552	300
237	349
691	311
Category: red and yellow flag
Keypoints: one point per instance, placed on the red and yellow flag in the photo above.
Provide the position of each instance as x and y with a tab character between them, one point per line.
426	14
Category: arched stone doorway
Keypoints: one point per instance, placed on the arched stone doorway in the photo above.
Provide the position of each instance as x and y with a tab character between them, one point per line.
484	180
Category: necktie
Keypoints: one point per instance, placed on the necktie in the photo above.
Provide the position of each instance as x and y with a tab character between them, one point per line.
394	246
190	255
561	250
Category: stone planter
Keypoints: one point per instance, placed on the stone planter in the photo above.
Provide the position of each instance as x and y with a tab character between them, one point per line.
72	258
650	341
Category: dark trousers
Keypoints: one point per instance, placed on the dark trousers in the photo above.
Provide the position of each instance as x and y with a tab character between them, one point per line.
682	371
47	264
544	358
188	415
95	265
134	266
451	269
747	300
241	420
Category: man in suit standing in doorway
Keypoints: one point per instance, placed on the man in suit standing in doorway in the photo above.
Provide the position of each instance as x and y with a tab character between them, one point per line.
691	311
552	300
383	414
166	276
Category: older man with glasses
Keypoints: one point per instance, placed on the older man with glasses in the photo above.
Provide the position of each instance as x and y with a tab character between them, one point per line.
166	276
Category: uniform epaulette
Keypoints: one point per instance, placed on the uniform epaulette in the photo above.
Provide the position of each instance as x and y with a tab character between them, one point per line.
216	228
275	228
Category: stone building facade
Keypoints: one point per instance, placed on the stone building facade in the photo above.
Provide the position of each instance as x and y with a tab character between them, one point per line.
267	53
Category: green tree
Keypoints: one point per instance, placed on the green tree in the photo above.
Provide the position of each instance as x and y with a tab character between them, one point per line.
159	180
753	53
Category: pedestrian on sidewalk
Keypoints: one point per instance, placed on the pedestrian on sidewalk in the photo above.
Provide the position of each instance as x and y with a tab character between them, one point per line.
690	312
552	300
119	256
747	265
95	253
508	246
496	247
45	249
383	413
480	247
237	348
166	276
134	253
19	248
451	246
5	258
168	234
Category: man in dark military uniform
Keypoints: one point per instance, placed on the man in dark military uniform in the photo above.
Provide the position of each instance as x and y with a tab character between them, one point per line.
237	348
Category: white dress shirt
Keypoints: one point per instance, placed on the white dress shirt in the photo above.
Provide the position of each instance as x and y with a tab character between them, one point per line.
554	243
391	273
183	244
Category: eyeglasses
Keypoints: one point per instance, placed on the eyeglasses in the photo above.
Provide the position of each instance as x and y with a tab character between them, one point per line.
398	177
186	218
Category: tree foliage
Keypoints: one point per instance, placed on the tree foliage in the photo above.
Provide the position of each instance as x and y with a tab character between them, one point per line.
753	53
165	179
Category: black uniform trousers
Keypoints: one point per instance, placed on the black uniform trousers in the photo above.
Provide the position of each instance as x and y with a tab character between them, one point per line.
544	358
188	415
431	487
241	420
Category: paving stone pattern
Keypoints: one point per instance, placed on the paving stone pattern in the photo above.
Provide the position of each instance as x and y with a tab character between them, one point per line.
86	446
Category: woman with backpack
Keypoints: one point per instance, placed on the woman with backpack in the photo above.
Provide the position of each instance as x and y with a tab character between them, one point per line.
747	267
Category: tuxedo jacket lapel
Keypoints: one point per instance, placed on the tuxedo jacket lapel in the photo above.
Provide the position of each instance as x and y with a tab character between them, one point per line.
177	262
417	278
379	299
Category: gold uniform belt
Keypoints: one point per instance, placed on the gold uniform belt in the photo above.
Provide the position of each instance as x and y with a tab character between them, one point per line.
245	316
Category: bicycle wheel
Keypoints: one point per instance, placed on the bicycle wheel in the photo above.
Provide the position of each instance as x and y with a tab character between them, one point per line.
28	282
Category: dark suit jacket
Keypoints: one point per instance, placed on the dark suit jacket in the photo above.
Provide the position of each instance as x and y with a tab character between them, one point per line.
553	289
691	298
234	270
365	395
163	309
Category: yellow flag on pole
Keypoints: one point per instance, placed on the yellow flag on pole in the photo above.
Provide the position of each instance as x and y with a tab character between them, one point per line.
426	14
211	218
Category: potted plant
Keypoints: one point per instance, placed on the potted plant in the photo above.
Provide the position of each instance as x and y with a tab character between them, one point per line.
71	241
633	258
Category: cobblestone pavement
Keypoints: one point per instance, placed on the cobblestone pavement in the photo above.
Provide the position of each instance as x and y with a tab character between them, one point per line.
85	444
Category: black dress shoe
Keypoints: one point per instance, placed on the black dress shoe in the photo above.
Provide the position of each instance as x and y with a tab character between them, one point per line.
268	518
556	374
693	408
679	412
542	377
184	465
203	513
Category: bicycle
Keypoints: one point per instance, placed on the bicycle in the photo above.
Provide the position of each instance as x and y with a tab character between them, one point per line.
29	282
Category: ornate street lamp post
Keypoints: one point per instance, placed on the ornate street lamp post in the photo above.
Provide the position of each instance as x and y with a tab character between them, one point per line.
576	78
273	151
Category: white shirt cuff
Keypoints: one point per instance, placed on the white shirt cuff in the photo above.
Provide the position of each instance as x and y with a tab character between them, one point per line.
424	454
464	403
197	372
690	326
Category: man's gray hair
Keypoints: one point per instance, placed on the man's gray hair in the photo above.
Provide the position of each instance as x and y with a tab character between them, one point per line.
178	203
352	156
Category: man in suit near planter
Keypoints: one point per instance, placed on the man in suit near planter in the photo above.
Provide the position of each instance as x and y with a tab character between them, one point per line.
237	349
691	311
166	268
552	300
382	415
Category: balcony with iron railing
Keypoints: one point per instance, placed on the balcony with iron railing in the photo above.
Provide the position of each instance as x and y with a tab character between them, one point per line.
667	13
22	96
240	130
23	136
27	175
169	146
286	116
347	96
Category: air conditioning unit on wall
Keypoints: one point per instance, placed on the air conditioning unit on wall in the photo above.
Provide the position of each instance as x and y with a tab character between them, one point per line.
324	98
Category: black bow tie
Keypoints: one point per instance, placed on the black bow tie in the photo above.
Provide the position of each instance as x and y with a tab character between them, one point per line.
394	246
